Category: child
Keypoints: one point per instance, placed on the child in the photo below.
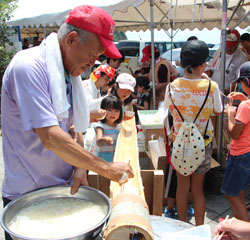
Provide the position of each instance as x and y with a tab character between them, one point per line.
99	78
123	89
188	94
237	173
108	129
143	103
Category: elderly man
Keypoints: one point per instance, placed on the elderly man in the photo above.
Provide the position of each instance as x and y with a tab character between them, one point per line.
234	59
42	98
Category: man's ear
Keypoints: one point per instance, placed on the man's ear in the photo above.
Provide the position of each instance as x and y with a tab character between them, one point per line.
72	38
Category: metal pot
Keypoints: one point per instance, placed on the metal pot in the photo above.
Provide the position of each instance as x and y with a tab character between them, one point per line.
86	193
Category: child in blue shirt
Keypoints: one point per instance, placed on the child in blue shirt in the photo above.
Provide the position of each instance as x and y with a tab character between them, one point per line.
107	130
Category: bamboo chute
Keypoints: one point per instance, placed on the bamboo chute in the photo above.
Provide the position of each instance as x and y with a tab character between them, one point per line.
130	214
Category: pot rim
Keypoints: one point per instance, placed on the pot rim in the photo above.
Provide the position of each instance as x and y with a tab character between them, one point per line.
36	192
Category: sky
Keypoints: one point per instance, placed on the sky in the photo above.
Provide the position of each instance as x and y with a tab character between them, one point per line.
208	36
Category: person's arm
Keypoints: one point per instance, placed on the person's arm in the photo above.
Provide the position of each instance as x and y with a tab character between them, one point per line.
218	108
135	96
235	229
89	91
167	100
100	140
210	66
56	140
234	127
145	107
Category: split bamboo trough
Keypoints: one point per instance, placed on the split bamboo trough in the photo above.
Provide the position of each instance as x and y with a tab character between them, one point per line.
130	213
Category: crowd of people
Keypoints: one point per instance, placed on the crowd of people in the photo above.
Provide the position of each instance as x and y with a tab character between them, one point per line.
47	106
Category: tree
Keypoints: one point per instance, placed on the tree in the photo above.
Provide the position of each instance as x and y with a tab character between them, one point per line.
6	8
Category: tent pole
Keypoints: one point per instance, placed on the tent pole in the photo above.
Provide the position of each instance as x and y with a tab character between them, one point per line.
235	10
171	36
152	49
241	20
222	76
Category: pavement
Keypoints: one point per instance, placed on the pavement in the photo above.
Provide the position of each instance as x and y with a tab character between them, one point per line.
217	206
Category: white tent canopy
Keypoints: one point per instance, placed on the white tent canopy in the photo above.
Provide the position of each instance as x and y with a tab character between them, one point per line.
178	14
130	14
30	13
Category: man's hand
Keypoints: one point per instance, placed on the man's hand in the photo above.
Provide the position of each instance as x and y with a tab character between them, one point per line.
80	178
97	115
117	170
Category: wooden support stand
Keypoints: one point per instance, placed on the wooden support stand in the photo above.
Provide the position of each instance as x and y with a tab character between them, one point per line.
153	183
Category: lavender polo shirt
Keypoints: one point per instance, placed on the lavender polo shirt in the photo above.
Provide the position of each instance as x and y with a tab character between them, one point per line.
26	104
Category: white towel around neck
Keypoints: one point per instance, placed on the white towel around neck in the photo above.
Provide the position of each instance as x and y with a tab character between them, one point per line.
58	87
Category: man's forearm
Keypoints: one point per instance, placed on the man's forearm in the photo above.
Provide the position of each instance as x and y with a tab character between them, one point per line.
59	142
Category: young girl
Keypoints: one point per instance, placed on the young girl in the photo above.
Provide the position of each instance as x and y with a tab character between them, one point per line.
122	89
188	94
237	173
108	129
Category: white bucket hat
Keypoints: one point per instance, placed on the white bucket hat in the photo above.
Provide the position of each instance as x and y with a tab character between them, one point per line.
126	81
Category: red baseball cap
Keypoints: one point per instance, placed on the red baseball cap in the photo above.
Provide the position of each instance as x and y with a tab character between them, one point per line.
233	38
147	53
98	21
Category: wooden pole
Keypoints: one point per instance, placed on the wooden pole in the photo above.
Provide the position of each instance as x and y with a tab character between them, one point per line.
130	214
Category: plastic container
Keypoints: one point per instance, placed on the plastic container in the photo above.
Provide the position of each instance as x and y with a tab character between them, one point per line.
156	149
140	139
150	119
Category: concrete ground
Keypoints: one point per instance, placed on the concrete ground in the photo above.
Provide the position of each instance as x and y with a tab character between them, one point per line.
216	205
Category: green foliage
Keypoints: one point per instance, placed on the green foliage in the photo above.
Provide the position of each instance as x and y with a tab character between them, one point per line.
6	8
5	57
